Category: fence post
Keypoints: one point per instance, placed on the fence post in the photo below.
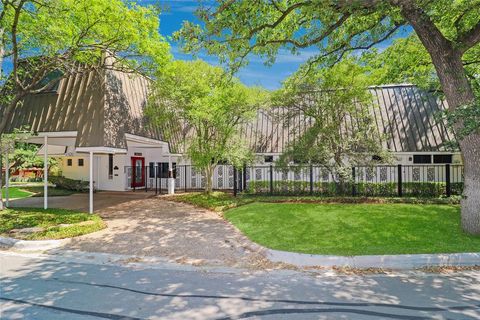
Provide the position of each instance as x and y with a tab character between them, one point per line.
245	176
234	181
134	177
239	175
185	177
400	182
146	178
155	174
271	179
447	180
354	191
311	179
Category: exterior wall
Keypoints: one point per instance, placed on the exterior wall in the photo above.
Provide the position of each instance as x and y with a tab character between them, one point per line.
186	176
75	171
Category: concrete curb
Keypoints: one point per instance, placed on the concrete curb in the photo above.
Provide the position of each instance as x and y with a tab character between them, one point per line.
402	261
30	245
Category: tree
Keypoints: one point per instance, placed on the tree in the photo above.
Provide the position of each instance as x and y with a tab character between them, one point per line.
45	40
207	107
337	105
447	30
7	146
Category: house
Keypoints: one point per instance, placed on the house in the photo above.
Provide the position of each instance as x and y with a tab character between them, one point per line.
95	122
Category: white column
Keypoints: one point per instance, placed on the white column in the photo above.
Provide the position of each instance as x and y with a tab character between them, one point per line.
90	206
7	178
45	172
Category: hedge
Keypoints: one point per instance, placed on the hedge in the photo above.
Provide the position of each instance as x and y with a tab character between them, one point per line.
69	184
387	189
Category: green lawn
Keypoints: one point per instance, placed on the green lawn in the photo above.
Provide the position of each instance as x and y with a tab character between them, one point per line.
354	229
215	201
15	192
35	191
75	223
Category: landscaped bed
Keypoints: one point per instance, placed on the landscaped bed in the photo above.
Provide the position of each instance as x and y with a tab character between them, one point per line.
354	229
39	224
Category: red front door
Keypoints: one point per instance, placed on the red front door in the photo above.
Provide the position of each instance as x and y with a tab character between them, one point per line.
138	172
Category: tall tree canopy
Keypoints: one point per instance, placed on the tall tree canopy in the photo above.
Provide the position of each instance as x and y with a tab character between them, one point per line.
209	108
448	30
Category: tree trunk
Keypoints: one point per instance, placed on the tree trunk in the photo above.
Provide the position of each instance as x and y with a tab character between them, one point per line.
209	179
1	181
458	91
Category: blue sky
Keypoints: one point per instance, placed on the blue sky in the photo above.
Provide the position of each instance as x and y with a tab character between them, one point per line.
256	73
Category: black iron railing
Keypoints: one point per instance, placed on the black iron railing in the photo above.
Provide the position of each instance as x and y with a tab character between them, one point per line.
380	180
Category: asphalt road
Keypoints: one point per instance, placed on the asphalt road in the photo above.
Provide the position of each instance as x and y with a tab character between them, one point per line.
51	287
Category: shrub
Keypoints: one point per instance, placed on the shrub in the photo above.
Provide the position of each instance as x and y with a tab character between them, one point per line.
369	189
69	184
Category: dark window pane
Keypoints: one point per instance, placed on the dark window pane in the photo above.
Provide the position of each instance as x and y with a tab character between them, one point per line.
80	162
69	162
268	159
377	158
442	158
110	166
422	158
151	169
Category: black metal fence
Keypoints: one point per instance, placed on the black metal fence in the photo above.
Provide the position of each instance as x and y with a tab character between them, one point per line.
373	181
381	180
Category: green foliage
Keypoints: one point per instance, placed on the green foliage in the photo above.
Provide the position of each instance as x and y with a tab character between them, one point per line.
206	108
25	156
51	221
338	105
354	229
48	39
468	115
86	30
239	28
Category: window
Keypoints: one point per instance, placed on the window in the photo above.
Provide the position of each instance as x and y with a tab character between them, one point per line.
151	169
377	158
69	162
422	158
442	158
50	82
110	166
163	168
268	159
80	162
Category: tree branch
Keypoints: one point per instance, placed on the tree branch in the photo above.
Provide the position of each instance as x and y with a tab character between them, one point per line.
470	38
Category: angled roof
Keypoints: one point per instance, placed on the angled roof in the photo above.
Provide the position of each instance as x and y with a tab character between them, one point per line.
404	115
101	105
104	105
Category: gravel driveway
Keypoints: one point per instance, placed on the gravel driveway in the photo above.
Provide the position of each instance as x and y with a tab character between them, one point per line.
179	232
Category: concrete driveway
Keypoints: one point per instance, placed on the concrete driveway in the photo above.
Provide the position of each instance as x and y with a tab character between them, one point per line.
143	225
